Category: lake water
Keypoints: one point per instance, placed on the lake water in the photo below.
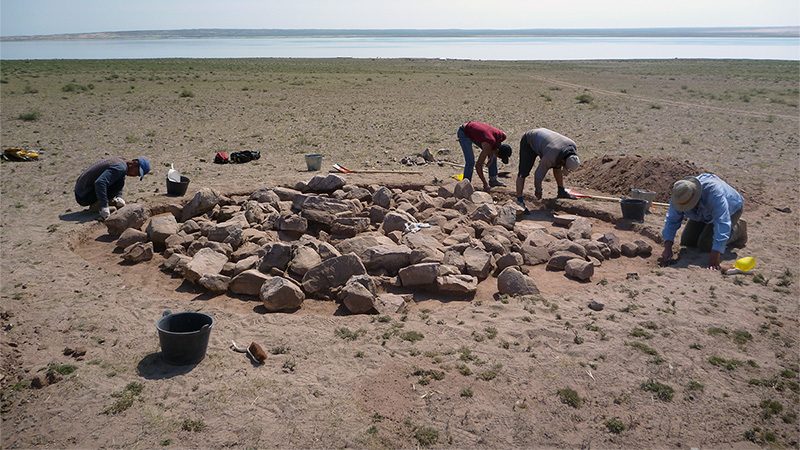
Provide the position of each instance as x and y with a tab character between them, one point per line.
476	48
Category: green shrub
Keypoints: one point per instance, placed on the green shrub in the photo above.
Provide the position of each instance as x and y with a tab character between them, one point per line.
186	93
584	98
740	337
615	425
30	115
466	354
124	398
72	87
426	436
412	336
63	369
193	425
569	397
644	348
348	335
662	391
717	330
490	374
770	408
638	332
720	362
695	386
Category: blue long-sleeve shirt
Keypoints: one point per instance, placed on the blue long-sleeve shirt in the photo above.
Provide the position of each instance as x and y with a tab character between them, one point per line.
718	202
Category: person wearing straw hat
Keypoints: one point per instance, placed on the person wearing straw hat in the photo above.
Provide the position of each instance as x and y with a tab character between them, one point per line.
713	209
105	179
554	151
489	139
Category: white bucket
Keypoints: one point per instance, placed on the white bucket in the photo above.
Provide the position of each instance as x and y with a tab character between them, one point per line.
314	162
644	194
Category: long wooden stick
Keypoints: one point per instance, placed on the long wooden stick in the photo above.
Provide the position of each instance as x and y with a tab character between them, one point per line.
410	172
343	169
613	199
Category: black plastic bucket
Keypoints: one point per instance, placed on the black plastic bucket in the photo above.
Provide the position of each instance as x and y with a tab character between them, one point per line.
184	337
177	189
633	208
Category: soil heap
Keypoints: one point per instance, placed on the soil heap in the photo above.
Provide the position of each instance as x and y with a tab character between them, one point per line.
617	175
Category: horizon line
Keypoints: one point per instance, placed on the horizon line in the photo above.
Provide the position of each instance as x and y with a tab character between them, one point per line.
727	31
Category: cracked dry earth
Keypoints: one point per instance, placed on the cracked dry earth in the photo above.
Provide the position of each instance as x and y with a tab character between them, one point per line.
679	356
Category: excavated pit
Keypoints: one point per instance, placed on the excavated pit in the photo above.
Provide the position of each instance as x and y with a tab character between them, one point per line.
449	216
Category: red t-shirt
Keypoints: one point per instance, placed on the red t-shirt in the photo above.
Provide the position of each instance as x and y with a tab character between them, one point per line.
482	133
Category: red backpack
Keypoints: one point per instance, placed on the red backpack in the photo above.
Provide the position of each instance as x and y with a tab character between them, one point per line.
221	158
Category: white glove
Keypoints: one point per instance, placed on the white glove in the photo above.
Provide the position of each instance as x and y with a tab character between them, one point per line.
105	212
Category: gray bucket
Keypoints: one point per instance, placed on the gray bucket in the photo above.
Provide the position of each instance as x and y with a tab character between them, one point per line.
644	194
633	208
184	337
314	162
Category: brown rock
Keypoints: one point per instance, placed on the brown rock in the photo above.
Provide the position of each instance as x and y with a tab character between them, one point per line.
629	249
559	260
280	294
129	216
248	282
582	270
513	282
138	252
565	219
216	283
131	236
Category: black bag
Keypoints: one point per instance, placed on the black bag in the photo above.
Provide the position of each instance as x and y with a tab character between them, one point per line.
245	156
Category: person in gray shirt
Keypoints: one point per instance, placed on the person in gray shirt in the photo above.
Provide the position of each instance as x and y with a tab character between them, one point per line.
555	151
103	181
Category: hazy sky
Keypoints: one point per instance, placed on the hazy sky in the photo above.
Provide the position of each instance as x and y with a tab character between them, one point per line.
31	17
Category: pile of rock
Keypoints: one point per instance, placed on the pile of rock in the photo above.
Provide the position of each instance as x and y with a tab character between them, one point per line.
328	240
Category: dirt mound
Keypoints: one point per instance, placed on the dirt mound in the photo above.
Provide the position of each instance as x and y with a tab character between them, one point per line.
617	175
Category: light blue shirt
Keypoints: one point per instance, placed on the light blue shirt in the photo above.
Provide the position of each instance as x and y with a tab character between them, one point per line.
718	202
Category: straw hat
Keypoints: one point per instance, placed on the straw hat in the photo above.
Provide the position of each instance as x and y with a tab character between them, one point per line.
686	193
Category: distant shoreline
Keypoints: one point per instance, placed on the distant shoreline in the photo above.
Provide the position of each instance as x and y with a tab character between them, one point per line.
773	32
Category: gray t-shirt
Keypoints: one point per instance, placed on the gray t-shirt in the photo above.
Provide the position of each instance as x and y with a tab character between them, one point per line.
551	147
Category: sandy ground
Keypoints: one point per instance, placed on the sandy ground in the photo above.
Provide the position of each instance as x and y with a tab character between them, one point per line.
488	371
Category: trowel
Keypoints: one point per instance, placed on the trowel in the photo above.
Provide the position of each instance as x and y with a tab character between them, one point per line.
173	175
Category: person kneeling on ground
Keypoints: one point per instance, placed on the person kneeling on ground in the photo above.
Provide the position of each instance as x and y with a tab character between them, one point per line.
555	151
105	179
489	139
713	208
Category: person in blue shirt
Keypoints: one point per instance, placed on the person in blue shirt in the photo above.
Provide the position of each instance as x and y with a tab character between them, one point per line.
105	179
713	209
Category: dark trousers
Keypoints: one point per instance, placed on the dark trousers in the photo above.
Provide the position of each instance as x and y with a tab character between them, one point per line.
90	197
701	234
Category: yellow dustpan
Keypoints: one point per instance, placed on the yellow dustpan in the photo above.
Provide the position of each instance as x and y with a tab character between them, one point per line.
742	265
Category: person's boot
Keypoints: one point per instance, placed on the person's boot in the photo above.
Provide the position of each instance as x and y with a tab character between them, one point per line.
739	234
494	182
118	202
562	193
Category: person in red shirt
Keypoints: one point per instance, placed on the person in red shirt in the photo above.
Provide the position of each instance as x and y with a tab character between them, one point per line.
489	139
